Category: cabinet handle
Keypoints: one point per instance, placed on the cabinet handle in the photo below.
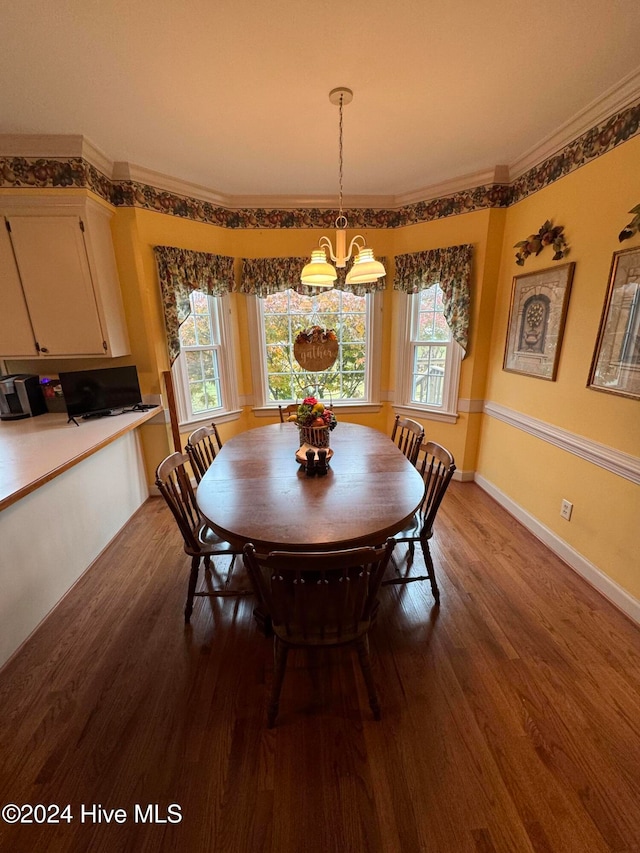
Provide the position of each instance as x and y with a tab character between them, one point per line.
43	349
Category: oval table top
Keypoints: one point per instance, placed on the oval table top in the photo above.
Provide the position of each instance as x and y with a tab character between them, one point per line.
256	492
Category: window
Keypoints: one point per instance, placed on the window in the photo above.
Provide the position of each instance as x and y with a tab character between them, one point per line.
201	371
281	316
430	380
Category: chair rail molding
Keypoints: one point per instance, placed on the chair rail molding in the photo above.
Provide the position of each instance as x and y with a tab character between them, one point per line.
620	463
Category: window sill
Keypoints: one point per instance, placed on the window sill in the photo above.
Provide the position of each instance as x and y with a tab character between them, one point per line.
219	418
346	408
427	414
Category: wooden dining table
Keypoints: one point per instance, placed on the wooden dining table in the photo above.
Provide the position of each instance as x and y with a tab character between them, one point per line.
255	491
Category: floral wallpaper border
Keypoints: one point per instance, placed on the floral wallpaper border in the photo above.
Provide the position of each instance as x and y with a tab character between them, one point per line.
24	172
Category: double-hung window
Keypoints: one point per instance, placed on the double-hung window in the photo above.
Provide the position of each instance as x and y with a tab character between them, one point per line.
353	379
204	369
430	369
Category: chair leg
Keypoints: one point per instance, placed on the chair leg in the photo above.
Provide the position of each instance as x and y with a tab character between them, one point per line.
430	569
193	580
411	552
280	654
362	644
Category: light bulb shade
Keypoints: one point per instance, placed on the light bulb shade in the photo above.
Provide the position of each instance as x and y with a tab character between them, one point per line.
365	268
318	272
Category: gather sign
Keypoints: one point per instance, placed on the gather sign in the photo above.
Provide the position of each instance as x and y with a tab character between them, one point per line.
316	348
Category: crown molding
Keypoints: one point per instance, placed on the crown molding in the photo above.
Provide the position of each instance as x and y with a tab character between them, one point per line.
494	175
625	95
56	146
139	174
614	100
41	145
293	202
75	145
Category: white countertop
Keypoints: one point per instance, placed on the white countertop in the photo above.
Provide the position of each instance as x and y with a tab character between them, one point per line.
35	450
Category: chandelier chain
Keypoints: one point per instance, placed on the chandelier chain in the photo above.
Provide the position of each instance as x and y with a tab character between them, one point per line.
340	153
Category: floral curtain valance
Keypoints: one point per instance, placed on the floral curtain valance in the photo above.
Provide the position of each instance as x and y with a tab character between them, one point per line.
449	267
264	276
181	271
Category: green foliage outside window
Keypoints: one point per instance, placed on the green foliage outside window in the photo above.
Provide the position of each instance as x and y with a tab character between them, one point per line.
286	314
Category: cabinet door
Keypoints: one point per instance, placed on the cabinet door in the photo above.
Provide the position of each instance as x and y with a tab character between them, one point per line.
16	336
56	280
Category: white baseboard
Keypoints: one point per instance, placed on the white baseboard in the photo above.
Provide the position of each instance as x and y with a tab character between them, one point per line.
607	587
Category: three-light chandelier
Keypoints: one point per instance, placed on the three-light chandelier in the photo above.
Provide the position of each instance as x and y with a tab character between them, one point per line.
319	272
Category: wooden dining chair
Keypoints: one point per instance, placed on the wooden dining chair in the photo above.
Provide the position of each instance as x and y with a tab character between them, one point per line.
436	468
408	435
200	542
318	599
202	447
285	411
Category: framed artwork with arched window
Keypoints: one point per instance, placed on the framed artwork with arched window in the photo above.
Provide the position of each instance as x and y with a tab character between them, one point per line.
537	316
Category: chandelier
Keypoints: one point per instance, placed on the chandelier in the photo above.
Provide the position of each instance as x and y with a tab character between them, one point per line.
319	272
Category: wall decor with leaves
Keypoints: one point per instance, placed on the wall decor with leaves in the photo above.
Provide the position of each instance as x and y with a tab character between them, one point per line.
633	227
548	235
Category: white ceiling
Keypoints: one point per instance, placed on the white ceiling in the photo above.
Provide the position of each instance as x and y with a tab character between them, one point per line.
233	94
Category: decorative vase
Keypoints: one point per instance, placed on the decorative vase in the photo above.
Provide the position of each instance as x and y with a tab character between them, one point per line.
315	436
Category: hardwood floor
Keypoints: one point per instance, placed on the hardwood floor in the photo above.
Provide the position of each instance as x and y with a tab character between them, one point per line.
510	718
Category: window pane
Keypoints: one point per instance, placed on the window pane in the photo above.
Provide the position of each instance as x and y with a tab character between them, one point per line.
208	366
428	374
285	315
199	302
194	366
276	329
203	330
188	332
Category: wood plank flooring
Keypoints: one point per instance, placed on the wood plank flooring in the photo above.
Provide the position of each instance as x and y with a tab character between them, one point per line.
510	718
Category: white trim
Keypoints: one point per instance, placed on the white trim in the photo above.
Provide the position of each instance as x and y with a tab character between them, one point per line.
226	378
139	174
340	408
427	414
404	369
222	418
620	463
620	96
613	592
261	408
470	405
494	175
615	99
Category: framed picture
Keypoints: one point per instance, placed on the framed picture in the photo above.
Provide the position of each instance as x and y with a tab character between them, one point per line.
536	321
616	359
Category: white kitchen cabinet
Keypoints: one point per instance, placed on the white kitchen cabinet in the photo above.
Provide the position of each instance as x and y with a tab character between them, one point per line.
16	334
60	273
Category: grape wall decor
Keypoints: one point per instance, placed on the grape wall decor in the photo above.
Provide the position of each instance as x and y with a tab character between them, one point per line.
548	235
633	227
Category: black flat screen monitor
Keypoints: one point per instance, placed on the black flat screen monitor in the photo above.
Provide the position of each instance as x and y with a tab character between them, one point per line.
94	391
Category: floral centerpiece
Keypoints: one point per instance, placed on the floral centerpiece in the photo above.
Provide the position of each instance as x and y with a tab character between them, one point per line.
315	421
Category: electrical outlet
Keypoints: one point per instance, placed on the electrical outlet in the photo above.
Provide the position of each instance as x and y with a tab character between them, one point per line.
565	510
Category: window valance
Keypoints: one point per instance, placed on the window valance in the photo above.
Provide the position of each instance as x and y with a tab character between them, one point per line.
450	267
265	276
181	271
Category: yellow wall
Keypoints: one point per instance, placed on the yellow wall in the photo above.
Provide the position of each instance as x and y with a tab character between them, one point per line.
592	204
137	231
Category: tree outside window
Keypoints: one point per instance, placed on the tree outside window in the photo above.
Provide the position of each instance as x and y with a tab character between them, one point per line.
285	314
199	363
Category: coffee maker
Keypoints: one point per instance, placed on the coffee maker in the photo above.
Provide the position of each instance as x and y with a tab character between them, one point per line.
20	397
